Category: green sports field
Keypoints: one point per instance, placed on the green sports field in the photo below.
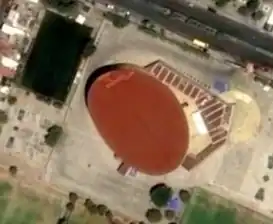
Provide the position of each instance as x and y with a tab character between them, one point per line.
20	205
207	208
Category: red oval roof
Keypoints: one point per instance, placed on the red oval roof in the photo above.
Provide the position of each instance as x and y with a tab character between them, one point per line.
140	119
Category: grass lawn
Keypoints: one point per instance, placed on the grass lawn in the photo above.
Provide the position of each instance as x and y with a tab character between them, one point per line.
207	208
55	56
22	206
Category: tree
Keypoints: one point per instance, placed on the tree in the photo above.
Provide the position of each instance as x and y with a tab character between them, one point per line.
54	128
12	100
88	202
70	207
260	194
160	194
90	206
3	117
13	170
169	214
102	209
109	215
92	209
64	6
53	135
89	49
61	220
221	3
73	197
117	20
153	215
145	22
184	195
243	10
252	5
57	104
257	15
121	21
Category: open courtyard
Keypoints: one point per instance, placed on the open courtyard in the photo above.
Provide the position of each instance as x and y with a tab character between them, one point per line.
82	162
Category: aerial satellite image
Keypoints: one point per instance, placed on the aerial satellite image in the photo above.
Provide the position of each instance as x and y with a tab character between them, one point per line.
136	111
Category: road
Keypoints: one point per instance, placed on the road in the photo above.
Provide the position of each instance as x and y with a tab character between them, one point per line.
239	39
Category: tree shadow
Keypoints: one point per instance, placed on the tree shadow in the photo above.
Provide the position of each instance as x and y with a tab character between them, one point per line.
101	71
157	186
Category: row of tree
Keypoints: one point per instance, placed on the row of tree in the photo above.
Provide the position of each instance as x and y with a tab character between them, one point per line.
69	208
154	215
91	207
251	8
251	5
71	7
64	6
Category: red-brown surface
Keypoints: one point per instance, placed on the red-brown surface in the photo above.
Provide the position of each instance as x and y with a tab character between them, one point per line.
140	119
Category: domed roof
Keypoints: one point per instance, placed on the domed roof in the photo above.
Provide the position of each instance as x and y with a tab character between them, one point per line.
140	119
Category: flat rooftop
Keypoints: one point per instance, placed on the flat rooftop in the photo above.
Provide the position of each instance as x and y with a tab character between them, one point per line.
214	112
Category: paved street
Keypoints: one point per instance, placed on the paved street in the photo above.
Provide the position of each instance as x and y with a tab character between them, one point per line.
234	38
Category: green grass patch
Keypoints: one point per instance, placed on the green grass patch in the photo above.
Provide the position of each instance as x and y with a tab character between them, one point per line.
207	208
20	205
5	188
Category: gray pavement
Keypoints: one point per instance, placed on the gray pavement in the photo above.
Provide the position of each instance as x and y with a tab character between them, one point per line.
234	167
83	162
232	37
69	168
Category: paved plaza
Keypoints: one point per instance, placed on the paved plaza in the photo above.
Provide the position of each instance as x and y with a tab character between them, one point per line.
230	167
83	163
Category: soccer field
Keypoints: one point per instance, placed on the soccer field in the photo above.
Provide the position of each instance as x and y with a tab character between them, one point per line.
207	208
